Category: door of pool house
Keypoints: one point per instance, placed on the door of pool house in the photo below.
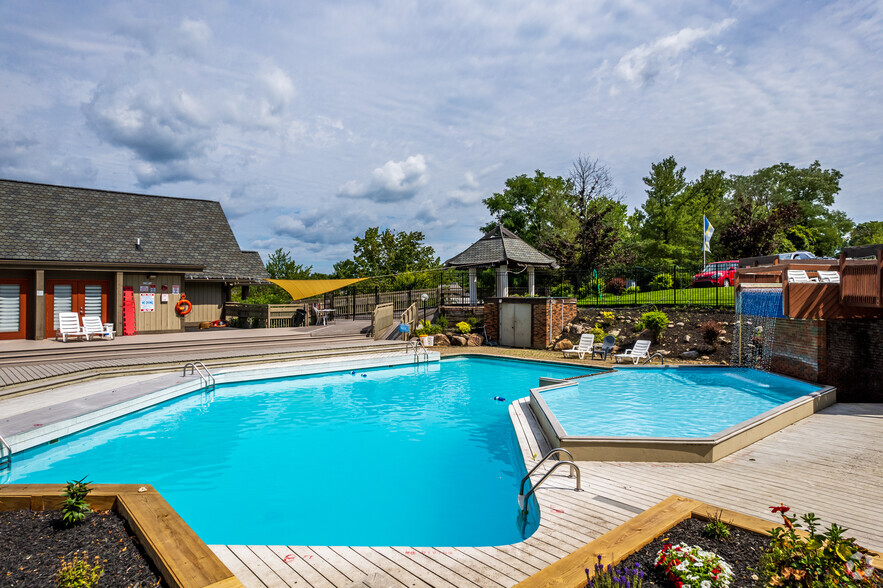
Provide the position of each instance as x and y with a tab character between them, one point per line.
85	297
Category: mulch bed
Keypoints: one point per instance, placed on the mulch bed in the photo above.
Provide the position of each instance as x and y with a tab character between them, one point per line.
742	551
32	544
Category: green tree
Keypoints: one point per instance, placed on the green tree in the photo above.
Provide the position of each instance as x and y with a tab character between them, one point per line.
532	208
663	222
868	233
281	266
389	252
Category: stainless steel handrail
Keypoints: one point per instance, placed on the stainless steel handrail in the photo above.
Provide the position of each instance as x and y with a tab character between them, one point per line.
5	462
418	344
207	379
541	462
657	354
523	498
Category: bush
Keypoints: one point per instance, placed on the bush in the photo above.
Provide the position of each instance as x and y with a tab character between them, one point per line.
75	506
442	321
473	321
632	290
598	332
562	291
429	329
661	282
656	321
607	318
464	327
711	330
716	527
616	286
78	573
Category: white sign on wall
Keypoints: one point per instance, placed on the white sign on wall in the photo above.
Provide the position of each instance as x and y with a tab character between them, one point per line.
148	303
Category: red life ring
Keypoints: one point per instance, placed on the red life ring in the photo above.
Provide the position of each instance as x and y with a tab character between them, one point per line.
184	306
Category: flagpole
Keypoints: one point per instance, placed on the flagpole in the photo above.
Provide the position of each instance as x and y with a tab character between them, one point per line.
703	242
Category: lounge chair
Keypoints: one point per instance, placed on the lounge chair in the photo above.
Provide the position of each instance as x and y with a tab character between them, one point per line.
93	327
586	341
800	277
639	350
829	277
605	347
69	326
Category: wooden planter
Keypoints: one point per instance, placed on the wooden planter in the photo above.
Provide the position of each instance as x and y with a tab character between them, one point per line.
181	557
631	536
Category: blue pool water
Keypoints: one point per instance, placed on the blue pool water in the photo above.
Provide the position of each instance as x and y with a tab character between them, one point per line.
415	455
681	402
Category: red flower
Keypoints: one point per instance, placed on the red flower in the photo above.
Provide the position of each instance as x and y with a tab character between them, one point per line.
781	508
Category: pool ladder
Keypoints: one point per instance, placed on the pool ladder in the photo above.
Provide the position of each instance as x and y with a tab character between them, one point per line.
5	460
417	344
523	498
657	354
205	377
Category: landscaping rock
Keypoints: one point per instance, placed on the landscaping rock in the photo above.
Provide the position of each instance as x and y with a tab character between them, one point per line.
442	340
614	332
563	344
679	324
704	357
706	349
687	338
473	340
578	329
458	341
664	352
692	354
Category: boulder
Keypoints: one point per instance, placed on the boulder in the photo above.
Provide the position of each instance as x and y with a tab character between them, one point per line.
664	352
692	354
706	349
614	332
458	341
563	344
442	340
704	358
473	340
577	329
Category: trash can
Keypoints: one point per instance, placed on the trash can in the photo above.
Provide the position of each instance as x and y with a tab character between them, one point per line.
300	316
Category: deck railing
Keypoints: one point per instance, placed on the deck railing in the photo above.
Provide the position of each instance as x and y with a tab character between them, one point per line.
381	319
410	317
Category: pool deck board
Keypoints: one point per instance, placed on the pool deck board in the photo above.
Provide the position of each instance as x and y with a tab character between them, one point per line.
827	463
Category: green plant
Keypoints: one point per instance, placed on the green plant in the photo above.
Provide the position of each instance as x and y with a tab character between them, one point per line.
632	290
613	577
616	286
690	565
442	321
711	330
608	318
656	321
473	321
716	528
598	332
817	559
464	327
661	282
562	291
75	506
78	573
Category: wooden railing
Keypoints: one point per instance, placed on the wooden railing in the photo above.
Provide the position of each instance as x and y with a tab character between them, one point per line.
410	317
266	315
861	282
381	319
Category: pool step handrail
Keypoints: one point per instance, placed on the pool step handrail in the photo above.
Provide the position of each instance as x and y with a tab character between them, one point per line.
555	451
524	498
657	354
417	344
206	378
5	460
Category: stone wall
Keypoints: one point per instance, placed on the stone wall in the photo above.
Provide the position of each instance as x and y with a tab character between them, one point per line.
549	317
799	349
855	359
457	314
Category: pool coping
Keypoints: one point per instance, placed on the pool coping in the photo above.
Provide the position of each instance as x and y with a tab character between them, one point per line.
182	558
706	449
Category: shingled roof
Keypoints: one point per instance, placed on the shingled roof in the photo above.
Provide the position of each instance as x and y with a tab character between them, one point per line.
48	223
499	246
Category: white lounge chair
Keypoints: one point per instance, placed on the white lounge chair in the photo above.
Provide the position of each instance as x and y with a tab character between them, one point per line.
586	341
93	326
800	277
69	326
829	277
639	350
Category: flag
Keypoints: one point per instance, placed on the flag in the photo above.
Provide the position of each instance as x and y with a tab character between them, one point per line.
709	231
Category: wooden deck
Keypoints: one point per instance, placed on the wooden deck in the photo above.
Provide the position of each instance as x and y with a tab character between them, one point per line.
829	464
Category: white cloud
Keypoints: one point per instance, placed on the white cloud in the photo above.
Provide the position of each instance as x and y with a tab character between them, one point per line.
643	63
394	181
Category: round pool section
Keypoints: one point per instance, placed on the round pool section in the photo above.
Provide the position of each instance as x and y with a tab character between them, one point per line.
415	455
672	413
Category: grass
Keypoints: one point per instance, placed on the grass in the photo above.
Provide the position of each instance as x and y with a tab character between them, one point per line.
675	296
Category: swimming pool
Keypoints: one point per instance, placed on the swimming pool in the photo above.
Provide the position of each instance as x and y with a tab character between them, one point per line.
413	455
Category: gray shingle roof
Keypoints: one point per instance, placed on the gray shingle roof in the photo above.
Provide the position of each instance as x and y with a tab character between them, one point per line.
499	246
40	222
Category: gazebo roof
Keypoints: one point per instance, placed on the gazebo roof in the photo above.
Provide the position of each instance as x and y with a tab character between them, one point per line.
500	246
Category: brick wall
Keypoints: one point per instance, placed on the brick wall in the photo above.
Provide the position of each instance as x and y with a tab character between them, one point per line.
548	318
492	320
799	349
540	325
855	359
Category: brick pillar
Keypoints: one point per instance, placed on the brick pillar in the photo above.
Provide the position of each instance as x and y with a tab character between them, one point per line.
492	320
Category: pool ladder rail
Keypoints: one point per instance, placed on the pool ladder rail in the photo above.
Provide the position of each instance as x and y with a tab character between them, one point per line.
574	469
657	354
5	459
205	376
417	344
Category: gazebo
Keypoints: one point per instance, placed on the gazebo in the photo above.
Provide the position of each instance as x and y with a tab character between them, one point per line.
502	249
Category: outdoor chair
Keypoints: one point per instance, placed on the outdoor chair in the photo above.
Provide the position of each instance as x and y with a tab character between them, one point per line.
829	277
800	277
640	350
69	326
93	326
605	348
586	341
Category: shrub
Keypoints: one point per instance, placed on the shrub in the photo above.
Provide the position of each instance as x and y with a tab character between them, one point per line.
562	291
75	507
615	286
661	282
607	318
473	321
598	332
716	527
690	565
819	559
464	327
656	321
711	330
78	573
442	321
632	290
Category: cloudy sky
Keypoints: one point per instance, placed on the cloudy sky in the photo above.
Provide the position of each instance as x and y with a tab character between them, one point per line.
310	121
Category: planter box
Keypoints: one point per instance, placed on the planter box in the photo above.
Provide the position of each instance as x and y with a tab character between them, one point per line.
631	536
181	557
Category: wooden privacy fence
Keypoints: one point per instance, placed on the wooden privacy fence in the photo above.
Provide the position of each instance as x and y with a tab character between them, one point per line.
381	319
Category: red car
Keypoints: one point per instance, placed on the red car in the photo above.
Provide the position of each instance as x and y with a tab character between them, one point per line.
719	273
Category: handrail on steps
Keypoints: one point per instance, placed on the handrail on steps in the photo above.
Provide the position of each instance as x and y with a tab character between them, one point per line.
207	379
657	354
5	462
523	499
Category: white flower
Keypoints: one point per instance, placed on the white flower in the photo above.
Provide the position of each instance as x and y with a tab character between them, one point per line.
705	584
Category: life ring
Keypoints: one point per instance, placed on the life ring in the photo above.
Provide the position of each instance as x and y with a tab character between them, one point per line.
184	306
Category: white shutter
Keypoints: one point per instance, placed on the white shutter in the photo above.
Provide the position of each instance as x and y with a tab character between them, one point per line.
62	302
92	304
10	311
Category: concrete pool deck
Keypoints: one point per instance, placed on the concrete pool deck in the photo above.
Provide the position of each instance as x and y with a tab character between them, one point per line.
836	479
